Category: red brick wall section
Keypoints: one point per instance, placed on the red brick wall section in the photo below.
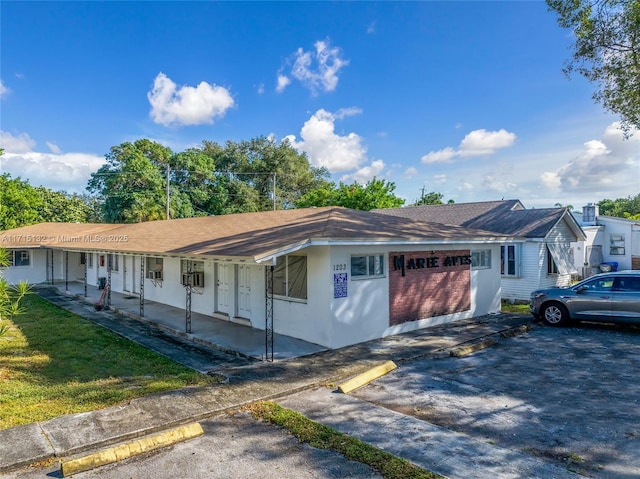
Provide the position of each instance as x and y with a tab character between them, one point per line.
427	290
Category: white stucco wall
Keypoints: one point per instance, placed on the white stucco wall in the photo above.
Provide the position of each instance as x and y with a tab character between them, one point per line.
34	273
364	314
308	320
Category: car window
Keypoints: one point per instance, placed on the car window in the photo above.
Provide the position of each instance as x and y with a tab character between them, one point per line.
628	284
599	284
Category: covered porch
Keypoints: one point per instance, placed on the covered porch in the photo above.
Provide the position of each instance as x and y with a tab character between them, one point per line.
206	330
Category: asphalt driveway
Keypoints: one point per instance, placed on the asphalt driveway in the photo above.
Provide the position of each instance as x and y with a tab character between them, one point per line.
570	396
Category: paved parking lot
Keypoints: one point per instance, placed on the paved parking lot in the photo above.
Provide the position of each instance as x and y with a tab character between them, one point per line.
570	396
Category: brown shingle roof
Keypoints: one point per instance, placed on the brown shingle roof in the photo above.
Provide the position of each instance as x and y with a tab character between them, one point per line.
503	217
248	235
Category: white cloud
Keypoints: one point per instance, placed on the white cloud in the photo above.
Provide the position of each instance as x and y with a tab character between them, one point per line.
371	28
441	156
600	166
68	171
317	70
496	184
483	142
325	148
16	144
440	178
3	89
282	83
411	172
366	173
54	148
187	105
551	180
476	143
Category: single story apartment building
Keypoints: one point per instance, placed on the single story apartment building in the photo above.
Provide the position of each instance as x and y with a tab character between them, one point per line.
330	276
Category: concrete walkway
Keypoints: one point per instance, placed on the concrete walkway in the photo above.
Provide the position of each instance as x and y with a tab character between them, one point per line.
430	447
226	336
72	434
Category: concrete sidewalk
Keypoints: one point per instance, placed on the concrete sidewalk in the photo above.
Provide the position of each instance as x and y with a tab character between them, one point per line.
78	433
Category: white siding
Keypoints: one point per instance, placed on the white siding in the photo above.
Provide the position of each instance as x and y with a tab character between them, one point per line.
534	266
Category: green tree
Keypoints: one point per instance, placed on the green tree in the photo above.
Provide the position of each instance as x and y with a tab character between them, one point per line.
621	208
431	198
131	186
606	51
266	167
19	203
61	207
375	194
212	179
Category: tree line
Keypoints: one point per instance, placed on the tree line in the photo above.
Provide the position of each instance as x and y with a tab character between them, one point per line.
212	179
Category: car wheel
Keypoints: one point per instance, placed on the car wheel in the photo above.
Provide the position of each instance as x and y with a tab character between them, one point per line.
555	314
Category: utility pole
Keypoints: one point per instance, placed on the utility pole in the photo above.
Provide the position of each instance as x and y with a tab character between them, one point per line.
168	191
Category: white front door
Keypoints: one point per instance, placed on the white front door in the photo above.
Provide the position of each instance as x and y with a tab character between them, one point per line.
125	272
135	274
244	291
223	288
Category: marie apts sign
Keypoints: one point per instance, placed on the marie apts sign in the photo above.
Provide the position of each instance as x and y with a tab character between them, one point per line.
429	260
427	284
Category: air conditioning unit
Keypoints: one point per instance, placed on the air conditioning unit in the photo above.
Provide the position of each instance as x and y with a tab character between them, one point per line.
197	279
154	275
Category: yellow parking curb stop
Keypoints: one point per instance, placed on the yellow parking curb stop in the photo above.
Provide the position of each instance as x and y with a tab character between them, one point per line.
124	451
367	377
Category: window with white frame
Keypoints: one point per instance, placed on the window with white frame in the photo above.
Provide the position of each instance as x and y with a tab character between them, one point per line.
481	259
19	257
90	260
290	277
367	266
510	260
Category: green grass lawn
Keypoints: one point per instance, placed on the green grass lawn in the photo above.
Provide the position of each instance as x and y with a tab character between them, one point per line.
54	362
507	307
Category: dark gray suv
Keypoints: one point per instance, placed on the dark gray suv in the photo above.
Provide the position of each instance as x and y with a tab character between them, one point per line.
607	297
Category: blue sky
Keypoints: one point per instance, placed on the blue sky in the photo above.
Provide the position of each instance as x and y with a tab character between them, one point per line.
462	98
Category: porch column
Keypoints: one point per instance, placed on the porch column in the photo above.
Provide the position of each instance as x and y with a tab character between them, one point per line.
142	261
268	327
188	288
108	286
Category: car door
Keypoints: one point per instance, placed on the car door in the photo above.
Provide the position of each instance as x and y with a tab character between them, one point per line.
625	302
592	300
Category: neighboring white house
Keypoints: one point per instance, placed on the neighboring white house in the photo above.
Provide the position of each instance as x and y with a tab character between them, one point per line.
610	242
330	276
543	260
